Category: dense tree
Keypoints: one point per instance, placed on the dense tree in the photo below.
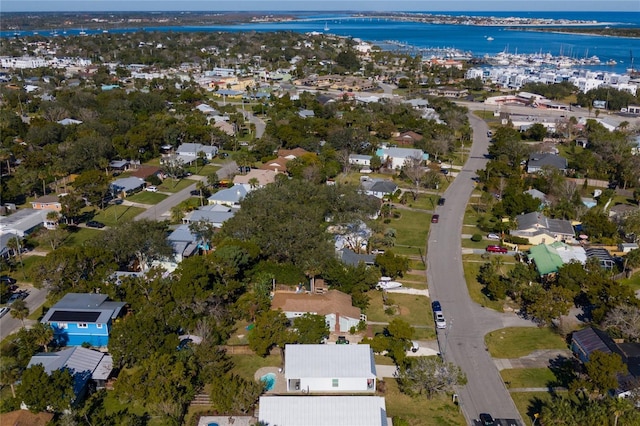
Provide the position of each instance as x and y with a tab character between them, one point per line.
391	264
602	370
311	328
270	330
20	310
624	321
429	376
232	394
40	391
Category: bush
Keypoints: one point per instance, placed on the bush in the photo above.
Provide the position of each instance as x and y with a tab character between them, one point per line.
515	240
476	237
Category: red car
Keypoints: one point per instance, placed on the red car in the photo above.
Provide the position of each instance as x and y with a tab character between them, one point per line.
497	249
435	218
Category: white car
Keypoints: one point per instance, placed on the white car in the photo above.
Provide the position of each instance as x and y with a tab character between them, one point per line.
3	311
440	321
493	237
151	188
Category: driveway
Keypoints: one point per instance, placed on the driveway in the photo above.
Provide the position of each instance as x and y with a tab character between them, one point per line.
463	341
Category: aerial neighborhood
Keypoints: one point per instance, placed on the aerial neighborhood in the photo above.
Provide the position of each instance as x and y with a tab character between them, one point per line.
264	228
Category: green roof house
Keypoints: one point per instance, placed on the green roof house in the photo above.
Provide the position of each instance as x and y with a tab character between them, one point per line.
549	258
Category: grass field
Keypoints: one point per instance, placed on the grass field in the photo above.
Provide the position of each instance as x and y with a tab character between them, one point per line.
471	270
420	411
412	228
172	185
247	365
516	342
414	309
147	197
529	403
528	377
114	214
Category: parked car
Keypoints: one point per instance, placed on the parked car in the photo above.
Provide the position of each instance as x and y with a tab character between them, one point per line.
486	419
195	193
435	306
7	279
439	319
95	224
415	346
493	237
441	201
497	249
151	188
3	311
17	296
435	218
342	341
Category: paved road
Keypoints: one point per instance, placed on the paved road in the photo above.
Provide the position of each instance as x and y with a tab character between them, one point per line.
162	210
463	341
8	324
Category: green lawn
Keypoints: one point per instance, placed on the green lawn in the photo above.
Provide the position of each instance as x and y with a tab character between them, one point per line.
412	228
171	185
516	342
207	170
115	214
417	280
471	270
420	411
79	236
634	281
414	309
247	365
529	403
528	377
147	197
416	265
424	201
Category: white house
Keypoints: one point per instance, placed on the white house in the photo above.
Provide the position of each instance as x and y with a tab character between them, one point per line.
395	158
230	196
330	368
323	411
360	160
188	152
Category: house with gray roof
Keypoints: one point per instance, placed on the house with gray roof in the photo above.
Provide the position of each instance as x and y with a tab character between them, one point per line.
215	218
80	318
360	160
188	152
351	258
539	229
229	196
84	364
126	186
538	161
379	188
395	158
538	195
183	242
23	222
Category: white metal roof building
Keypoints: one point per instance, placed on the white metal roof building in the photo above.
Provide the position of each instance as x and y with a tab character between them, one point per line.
330	368
323	411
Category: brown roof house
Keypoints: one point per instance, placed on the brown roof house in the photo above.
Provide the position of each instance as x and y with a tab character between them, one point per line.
263	177
334	305
408	138
25	418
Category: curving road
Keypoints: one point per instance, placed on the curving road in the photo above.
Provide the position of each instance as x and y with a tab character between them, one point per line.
463	341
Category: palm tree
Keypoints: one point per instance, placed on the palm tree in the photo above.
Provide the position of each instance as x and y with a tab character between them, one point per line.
20	310
9	373
43	335
253	182
53	217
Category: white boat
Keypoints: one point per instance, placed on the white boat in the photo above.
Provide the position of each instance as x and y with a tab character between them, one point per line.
326	27
385	283
489	38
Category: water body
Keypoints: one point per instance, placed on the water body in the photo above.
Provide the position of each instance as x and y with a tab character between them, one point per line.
478	40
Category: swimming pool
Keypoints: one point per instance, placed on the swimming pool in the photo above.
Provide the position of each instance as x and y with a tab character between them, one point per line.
269	381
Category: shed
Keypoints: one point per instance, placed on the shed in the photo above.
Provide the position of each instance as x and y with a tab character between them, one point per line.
627	247
330	368
586	341
323	411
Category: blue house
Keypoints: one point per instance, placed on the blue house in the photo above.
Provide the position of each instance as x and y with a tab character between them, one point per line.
82	318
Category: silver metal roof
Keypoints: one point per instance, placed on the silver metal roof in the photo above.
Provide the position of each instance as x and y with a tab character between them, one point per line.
333	361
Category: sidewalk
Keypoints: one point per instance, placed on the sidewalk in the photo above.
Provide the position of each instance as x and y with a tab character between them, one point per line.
536	359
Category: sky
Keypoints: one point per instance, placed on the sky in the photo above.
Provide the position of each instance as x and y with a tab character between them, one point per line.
317	5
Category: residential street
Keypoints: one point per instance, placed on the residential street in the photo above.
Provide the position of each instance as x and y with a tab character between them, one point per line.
9	324
463	341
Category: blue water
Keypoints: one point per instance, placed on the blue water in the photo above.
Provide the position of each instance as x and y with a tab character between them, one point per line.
269	380
467	38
